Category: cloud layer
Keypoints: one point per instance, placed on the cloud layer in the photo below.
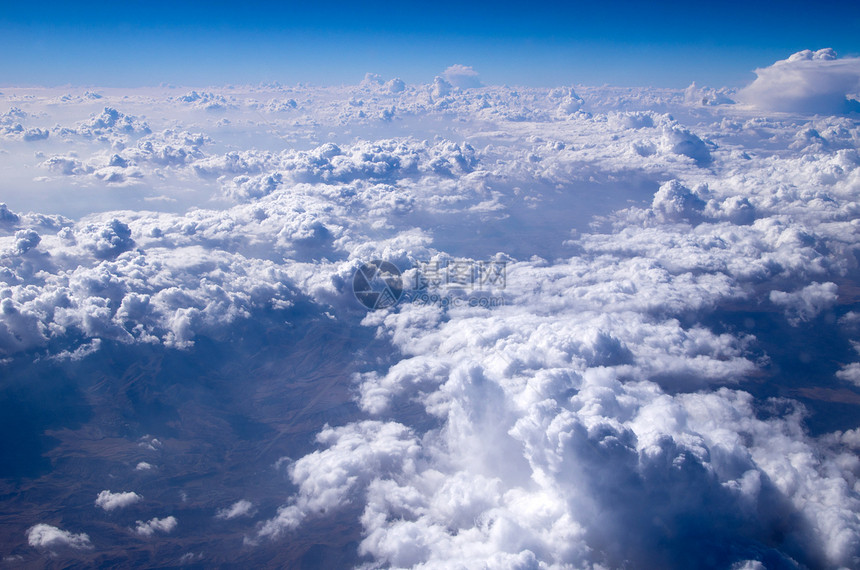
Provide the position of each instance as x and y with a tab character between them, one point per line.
667	380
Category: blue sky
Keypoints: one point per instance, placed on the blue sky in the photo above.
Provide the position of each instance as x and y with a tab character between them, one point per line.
622	43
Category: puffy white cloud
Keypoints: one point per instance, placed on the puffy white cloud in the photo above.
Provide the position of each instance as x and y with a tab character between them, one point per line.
331	478
241	508
25	240
18	132
53	538
150	527
675	203
7	216
708	96
111	120
570	102
441	87
679	140
66	165
462	76
106	240
850	373
97	286
206	100
110	501
395	85
807	82
806	303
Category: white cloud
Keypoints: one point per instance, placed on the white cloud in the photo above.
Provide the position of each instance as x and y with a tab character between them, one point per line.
679	140
675	203
570	102
395	85
107	240
462	76
111	501
807	82
441	87
241	508
150	527
806	303
357	454
52	538
190	558
111	121
850	373
207	100
7	216
748	565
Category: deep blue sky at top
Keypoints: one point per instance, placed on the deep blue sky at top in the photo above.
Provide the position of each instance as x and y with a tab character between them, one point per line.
133	43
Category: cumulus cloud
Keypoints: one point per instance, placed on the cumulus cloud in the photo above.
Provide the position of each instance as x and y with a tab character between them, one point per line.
53	538
7	216
395	85
357	454
105	240
111	501
441	87
241	508
67	165
679	140
674	203
112	120
150	527
206	100
570	102
806	303
807	82
462	76
850	373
